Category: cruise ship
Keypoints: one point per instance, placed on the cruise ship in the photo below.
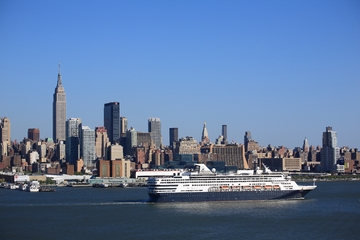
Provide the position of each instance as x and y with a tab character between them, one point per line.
203	184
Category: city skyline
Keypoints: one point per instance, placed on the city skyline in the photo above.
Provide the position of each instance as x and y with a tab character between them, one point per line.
281	70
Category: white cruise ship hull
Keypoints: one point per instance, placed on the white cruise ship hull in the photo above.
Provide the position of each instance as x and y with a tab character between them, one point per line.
227	196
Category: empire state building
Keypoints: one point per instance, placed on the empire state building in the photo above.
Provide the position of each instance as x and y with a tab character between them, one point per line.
59	111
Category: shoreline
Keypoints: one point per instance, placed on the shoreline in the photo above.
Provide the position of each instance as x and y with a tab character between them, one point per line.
325	180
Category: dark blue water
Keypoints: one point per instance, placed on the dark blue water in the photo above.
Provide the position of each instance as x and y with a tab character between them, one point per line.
332	211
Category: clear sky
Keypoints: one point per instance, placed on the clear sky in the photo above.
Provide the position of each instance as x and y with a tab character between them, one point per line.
283	70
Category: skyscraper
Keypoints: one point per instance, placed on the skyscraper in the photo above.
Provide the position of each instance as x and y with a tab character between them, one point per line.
87	147
59	111
247	139
330	152
5	130
143	139
232	155
173	136
205	136
131	140
224	133
154	128
102	142
123	126
4	135
306	145
34	134
112	120
73	128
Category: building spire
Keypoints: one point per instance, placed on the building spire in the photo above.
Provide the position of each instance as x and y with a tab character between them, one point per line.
59	82
306	145
205	135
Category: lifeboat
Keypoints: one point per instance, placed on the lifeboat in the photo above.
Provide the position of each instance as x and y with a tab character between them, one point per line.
276	187
257	187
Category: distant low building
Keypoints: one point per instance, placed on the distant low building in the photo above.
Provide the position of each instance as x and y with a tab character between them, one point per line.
68	168
114	168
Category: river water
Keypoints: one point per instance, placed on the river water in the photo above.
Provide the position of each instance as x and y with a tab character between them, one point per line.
331	211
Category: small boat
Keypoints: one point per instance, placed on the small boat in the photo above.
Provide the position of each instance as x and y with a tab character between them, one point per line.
23	187
123	185
32	189
34	186
100	185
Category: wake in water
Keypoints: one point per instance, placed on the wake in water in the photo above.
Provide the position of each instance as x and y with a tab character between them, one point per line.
74	204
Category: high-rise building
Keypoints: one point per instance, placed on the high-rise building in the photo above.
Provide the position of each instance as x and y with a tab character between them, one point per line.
41	149
205	136
112	120
247	139
59	110
34	134
26	147
131	140
173	136
306	145
116	152
5	130
61	150
73	132
224	133
123	126
231	154
4	135
143	139
330	152
187	145
154	128
87	147
102	142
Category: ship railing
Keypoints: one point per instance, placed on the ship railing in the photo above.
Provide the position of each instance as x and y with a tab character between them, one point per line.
245	188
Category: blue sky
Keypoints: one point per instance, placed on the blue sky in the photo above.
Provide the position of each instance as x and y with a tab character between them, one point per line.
283	70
